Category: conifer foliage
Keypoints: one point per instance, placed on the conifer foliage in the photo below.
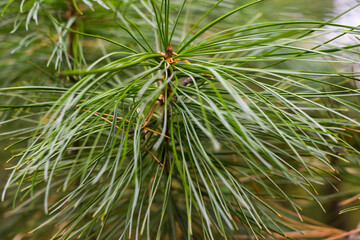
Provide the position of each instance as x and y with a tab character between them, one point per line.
164	119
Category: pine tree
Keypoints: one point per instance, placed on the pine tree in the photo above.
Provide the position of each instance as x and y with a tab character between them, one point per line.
160	119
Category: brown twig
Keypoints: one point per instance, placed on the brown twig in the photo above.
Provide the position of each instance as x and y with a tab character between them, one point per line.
348	201
296	235
149	116
122	119
98	114
147	150
354	130
344	234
